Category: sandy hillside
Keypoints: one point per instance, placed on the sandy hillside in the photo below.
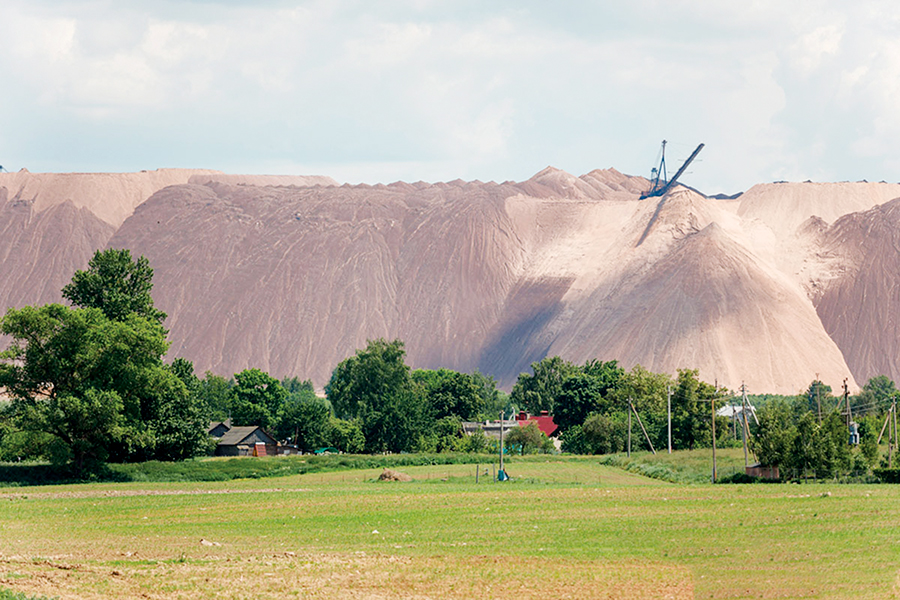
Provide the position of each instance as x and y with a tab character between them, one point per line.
292	274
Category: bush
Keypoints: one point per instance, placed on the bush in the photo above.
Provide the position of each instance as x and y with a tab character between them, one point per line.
887	475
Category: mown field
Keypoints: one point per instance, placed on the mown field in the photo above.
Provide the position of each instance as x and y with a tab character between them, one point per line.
562	529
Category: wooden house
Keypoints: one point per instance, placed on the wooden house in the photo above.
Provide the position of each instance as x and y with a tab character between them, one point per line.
247	441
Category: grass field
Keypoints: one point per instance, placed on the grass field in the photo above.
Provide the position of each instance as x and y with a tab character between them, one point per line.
562	529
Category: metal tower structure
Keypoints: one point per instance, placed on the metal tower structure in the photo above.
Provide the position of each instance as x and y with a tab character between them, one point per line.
658	175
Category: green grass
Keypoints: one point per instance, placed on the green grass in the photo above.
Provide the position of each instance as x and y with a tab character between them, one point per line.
225	469
683	466
7	594
562	528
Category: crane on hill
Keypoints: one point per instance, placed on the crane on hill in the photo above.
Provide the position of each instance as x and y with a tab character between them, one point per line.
658	175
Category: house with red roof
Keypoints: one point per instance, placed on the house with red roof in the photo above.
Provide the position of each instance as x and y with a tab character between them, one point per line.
544	422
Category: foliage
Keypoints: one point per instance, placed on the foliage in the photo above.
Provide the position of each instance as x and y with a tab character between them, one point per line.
215	396
818	397
493	401
591	389
346	436
538	391
92	378
691	411
527	440
875	395
449	393
600	434
375	387
888	475
116	285
306	420
256	399
89	381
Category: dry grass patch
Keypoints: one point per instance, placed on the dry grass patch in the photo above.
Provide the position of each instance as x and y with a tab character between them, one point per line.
347	576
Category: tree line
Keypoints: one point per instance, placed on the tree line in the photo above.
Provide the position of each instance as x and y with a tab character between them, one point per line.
88	383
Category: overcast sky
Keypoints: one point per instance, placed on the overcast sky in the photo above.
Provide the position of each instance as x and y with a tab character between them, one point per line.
380	91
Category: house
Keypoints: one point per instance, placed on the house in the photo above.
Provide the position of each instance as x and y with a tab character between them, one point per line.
247	441
544	422
217	429
490	428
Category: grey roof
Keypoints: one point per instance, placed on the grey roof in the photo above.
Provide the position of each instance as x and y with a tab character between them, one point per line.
236	435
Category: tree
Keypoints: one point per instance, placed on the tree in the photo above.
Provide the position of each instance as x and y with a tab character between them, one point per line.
492	400
600	434
818	397
539	391
256	399
579	396
691	410
85	379
877	393
116	285
774	439
592	388
306	419
346	436
527	440
375	387
215	396
176	416
449	393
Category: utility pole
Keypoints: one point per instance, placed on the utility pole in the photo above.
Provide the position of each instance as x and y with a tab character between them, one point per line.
818	385
669	394
894	411
745	427
847	399
629	433
713	403
501	473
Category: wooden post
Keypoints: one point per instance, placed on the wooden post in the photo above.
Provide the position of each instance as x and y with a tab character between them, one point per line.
642	426
887	420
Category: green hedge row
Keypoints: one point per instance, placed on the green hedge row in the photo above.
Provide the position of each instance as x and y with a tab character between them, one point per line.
887	475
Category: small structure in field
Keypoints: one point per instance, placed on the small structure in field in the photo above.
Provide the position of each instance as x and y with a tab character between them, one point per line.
247	441
391	475
763	472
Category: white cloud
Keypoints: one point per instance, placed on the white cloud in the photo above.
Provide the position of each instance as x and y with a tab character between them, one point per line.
489	91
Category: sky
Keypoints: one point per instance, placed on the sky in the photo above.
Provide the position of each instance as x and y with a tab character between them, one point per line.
438	90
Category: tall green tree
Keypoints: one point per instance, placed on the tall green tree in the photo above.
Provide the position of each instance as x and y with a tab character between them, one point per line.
116	284
692	412
85	379
375	387
215	396
449	393
539	391
589	390
256	399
